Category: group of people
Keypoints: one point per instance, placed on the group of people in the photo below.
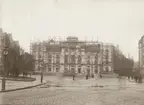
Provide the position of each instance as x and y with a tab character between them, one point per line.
87	76
137	79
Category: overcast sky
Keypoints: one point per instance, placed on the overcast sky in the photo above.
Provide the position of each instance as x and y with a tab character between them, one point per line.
112	21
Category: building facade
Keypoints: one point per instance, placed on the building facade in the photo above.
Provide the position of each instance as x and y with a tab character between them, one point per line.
7	39
72	56
141	51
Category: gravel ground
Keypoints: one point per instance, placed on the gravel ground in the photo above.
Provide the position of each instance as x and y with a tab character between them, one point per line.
74	94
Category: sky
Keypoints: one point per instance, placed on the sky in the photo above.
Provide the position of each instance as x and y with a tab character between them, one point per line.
114	21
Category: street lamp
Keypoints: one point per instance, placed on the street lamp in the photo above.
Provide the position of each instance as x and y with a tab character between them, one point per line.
5	53
42	67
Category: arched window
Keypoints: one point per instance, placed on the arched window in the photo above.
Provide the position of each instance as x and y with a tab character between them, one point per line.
96	57
107	51
72	58
96	71
57	59
49	56
79	59
107	69
79	70
66	59
88	61
95	61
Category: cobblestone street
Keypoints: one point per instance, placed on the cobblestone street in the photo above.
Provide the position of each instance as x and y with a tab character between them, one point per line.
73	93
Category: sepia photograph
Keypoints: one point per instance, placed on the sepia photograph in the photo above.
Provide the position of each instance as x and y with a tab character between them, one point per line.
71	52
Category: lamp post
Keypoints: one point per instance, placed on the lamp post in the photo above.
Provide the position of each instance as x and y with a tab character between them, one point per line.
5	53
42	67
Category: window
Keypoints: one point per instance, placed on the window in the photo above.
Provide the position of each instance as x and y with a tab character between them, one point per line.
65	69
73	70
50	61
95	61
79	59
49	69
107	69
79	70
72	49
49	56
66	50
66	59
96	57
106	56
39	56
96	71
72	58
57	56
57	69
88	57
57	59
106	62
88	61
88	71
107	51
99	45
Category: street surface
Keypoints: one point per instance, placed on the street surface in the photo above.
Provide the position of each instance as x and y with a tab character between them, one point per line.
105	91
20	84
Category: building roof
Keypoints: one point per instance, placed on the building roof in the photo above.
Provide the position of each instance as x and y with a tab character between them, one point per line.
72	42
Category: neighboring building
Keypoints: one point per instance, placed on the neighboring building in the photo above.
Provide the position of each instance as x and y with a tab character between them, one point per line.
141	55
22	51
136	65
73	55
107	61
10	41
141	51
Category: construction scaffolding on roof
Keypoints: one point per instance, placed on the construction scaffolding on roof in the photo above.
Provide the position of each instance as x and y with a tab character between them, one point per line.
62	55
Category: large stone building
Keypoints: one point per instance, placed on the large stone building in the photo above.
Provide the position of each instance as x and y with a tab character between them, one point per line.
73	55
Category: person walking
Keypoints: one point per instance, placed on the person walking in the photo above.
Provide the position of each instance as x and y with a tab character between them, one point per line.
100	76
73	77
92	76
86	77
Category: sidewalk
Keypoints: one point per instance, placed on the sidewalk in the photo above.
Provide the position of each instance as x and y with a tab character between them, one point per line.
110	82
16	85
69	82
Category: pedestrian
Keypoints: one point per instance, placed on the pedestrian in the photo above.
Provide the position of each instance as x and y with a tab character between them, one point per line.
86	77
128	77
73	77
92	76
100	76
140	79
136	78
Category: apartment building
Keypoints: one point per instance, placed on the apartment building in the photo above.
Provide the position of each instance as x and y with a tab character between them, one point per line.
107	57
9	41
72	55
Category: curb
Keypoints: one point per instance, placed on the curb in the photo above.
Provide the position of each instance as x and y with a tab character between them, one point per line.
20	79
28	87
134	81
